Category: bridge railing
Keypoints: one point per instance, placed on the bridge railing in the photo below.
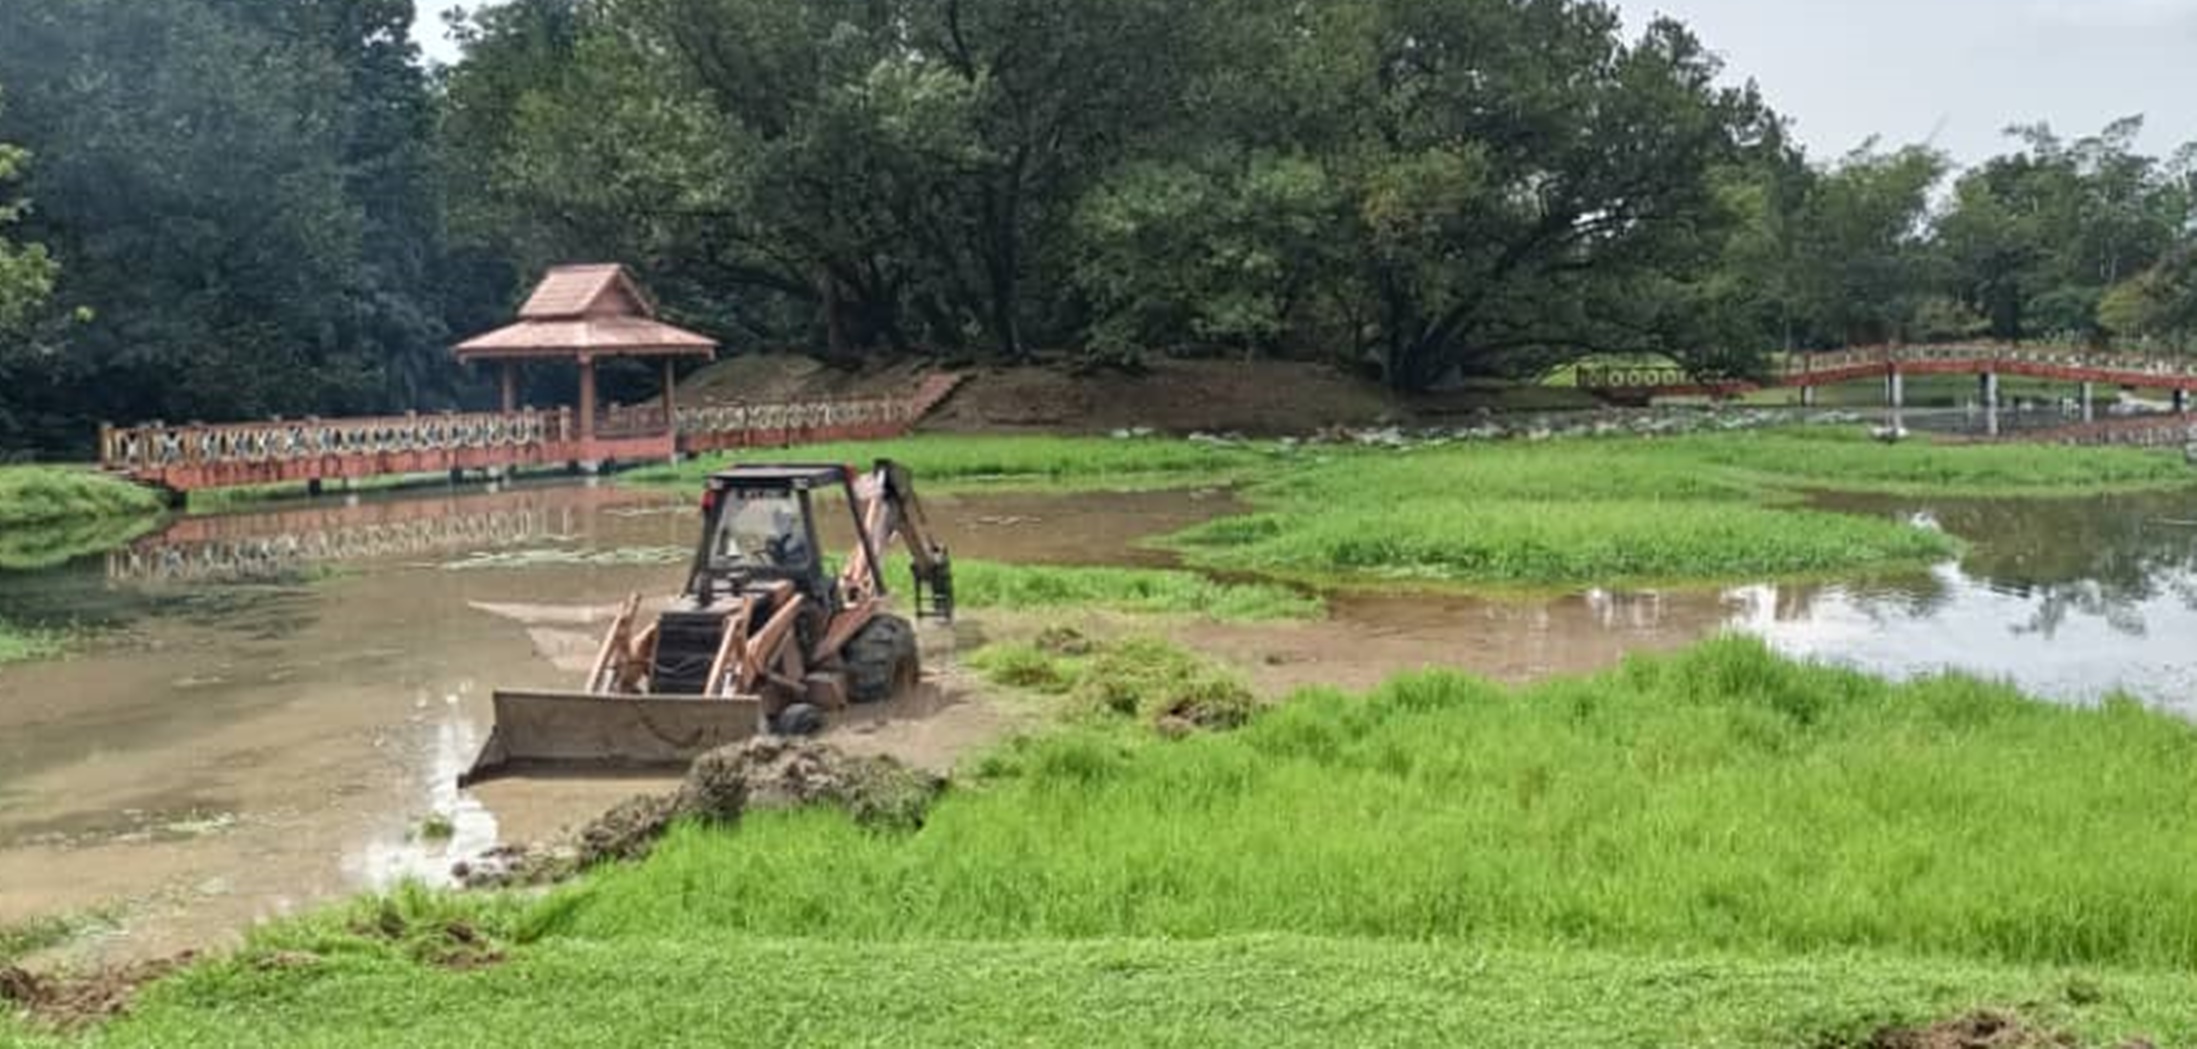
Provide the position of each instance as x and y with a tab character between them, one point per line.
158	446
2047	355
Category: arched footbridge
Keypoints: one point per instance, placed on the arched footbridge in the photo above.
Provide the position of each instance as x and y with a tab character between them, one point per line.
2084	369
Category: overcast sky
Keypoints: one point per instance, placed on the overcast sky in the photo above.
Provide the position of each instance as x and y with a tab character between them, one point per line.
1954	72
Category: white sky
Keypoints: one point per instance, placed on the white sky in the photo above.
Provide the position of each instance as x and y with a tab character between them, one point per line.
1957	71
1954	72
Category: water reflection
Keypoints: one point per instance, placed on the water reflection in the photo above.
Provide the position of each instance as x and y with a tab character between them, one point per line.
2069	598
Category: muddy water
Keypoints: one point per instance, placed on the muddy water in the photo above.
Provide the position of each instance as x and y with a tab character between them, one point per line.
274	700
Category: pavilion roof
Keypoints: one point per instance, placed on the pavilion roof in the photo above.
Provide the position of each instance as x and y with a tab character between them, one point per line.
595	310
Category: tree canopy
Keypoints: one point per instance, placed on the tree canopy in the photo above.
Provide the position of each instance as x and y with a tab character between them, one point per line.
245	207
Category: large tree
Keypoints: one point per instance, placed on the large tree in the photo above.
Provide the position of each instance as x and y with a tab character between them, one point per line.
26	270
2036	238
236	189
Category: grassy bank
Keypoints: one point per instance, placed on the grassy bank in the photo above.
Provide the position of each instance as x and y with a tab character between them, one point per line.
1717	848
948	460
1603	512
44	495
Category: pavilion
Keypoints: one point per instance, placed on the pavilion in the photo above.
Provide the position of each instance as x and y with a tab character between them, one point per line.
584	314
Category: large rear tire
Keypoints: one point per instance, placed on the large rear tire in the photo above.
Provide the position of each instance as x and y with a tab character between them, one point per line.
882	661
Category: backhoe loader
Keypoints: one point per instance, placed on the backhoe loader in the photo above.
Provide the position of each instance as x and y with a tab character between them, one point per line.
764	638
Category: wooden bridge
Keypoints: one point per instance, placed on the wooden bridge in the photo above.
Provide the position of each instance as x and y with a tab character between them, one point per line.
195	457
1893	364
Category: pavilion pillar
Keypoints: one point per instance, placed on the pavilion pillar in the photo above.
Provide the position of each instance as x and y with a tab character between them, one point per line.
587	402
510	386
671	406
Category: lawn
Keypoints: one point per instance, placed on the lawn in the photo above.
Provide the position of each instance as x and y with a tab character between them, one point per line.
1256	992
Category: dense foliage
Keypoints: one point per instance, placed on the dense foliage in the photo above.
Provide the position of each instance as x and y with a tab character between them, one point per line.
283	208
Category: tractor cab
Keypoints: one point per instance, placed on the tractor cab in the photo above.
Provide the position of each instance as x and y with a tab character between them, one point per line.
759	530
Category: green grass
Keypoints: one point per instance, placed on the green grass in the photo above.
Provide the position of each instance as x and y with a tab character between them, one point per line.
1148	679
953	461
1143	591
1722	800
1847	460
38	934
20	644
1718	848
1604	512
45	495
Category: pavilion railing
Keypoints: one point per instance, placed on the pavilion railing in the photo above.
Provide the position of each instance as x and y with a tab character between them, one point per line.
774	417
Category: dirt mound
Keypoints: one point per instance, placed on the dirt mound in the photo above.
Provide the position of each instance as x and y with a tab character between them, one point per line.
791	377
1265	398
766	773
1261	398
779	773
75	1001
1980	1030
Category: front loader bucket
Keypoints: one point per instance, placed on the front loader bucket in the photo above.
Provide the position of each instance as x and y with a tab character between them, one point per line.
578	733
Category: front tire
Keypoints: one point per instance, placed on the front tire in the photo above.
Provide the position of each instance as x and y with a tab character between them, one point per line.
800	721
882	661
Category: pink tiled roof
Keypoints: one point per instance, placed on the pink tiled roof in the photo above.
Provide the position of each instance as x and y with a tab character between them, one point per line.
596	310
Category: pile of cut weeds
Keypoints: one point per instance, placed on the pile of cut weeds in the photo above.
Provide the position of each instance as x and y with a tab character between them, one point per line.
762	774
77	1001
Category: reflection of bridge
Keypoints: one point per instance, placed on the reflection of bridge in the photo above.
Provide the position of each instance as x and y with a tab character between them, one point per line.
188	458
1893	364
2154	431
245	546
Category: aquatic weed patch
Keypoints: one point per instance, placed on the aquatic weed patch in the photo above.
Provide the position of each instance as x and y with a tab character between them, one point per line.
1145	591
23	644
1593	512
1847	460
1563	513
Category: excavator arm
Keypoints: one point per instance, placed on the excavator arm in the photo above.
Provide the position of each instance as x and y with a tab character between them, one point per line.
888	511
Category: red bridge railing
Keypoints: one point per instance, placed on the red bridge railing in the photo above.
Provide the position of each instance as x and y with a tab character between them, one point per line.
158	446
2075	364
